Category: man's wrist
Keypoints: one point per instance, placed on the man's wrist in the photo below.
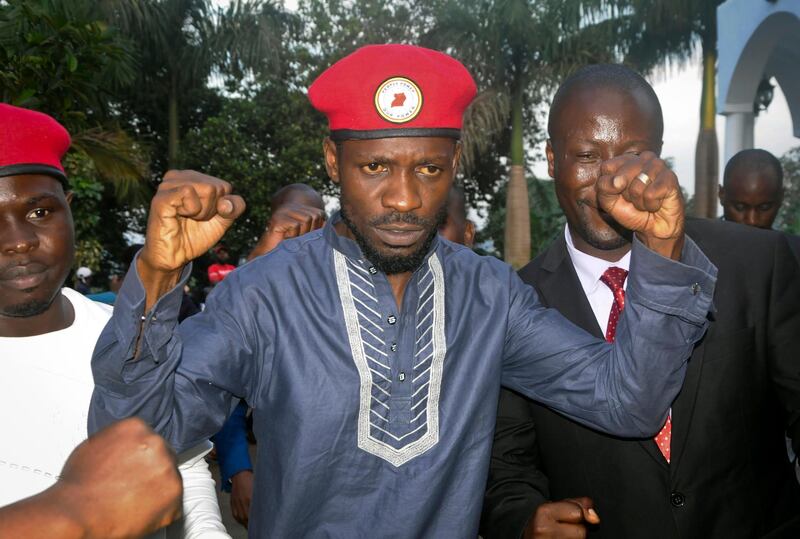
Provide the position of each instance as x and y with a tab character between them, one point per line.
668	248
64	518
156	282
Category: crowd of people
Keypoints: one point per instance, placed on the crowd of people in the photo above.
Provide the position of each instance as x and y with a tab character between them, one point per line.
648	361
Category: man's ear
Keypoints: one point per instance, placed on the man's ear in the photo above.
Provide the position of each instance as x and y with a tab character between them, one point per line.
331	153
69	195
551	159
721	195
469	234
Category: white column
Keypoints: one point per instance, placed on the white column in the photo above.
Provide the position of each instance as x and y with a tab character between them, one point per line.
739	128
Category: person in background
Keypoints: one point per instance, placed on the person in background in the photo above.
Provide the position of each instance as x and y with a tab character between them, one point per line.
296	209
752	191
457	227
47	333
83	280
109	296
120	483
752	188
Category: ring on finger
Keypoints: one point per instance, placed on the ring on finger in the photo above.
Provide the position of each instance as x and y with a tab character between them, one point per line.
643	177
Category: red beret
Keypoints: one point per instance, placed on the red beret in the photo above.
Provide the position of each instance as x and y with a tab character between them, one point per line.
382	91
31	143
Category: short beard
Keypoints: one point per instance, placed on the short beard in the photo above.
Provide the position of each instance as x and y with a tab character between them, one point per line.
590	236
27	309
394	264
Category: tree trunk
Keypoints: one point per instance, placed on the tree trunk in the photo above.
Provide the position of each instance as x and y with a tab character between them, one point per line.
518	213
173	141
706	160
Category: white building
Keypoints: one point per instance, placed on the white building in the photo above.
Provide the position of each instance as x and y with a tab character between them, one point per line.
757	40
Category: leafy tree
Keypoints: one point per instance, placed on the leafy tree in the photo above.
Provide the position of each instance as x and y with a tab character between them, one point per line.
789	216
59	57
260	143
546	218
181	44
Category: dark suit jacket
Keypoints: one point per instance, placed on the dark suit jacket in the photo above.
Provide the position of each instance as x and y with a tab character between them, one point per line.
730	476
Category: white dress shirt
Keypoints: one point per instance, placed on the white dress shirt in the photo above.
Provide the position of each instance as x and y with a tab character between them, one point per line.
589	270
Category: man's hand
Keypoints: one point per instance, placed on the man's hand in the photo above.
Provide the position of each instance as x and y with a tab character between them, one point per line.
643	195
564	519
289	221
241	495
121	482
188	215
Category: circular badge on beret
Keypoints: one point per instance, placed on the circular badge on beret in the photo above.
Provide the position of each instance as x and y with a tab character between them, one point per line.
398	100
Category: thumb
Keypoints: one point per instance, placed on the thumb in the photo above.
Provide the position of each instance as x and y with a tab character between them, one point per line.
229	207
587	508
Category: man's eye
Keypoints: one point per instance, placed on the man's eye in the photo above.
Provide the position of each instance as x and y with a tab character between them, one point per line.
429	170
586	156
739	207
373	168
765	207
39	213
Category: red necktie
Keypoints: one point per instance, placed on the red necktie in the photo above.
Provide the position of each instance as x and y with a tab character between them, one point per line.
614	278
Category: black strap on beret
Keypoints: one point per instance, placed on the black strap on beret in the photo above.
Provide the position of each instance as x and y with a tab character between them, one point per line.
33	168
340	135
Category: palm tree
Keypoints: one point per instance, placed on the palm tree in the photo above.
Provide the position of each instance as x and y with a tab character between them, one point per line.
672	29
518	50
182	43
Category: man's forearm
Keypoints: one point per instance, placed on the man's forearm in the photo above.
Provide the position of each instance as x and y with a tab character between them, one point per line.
45	516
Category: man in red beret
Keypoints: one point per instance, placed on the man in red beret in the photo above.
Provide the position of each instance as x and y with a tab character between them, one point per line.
372	351
47	331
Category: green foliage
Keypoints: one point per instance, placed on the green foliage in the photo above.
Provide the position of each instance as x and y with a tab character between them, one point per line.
58	56
547	219
789	216
260	143
179	45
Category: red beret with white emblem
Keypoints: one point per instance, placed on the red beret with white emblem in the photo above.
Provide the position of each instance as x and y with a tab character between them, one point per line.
31	143
382	91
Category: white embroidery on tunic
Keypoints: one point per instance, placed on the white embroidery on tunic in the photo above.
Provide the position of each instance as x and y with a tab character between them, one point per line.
410	435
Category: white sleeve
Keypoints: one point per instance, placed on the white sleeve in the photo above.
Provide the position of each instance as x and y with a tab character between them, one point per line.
201	515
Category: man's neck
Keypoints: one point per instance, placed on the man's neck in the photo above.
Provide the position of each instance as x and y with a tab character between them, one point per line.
59	315
609	255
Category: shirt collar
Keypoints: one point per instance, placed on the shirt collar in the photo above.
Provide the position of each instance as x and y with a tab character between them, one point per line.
350	248
590	268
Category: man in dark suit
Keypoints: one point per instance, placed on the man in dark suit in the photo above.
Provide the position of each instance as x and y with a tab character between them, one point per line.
719	467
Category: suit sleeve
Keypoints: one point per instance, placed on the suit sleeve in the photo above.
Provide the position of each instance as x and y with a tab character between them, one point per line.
186	379
784	336
626	388
516	484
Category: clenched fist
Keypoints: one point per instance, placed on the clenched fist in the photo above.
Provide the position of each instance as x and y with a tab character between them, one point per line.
188	215
564	519
290	220
643	195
